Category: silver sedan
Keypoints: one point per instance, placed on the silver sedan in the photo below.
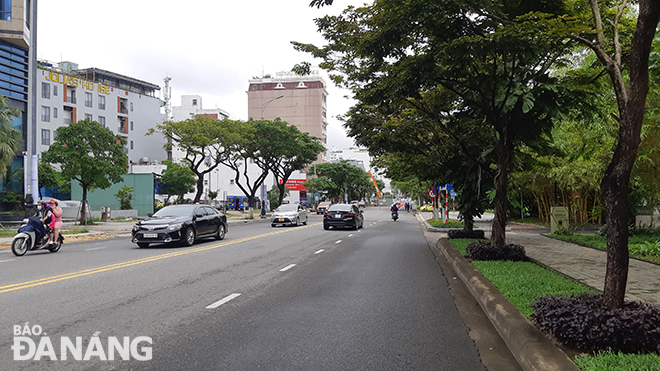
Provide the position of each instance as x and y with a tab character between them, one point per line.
289	214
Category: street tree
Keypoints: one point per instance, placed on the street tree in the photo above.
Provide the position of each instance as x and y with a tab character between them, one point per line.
49	177
89	153
177	180
205	143
10	137
500	71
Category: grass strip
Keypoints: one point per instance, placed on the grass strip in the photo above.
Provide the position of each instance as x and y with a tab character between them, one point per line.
523	282
645	247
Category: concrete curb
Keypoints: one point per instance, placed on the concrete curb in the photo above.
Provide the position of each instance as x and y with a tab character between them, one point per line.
527	343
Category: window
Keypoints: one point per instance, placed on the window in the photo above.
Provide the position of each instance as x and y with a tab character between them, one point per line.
54	112
232	181
72	96
131	106
88	117
55	90
45	114
101	102
88	99
5	10
131	144
45	90
194	102
102	121
45	137
131	125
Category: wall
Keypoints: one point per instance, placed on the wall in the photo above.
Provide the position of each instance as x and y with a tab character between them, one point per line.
142	184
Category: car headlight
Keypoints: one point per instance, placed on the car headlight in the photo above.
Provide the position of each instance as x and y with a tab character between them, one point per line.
174	227
136	227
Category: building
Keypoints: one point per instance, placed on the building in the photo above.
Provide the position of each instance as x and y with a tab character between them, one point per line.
355	156
127	106
298	100
18	63
191	105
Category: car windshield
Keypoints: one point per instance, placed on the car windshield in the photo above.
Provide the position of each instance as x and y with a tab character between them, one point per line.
167	211
324	204
340	207
287	207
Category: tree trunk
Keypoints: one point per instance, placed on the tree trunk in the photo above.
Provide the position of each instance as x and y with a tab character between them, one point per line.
505	149
83	206
200	188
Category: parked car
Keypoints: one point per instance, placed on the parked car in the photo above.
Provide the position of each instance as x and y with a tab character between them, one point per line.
289	214
343	215
322	207
361	203
180	223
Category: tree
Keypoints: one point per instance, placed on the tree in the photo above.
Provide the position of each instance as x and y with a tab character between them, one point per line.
625	59
10	137
125	195
49	177
499	71
89	153
338	180
177	180
206	142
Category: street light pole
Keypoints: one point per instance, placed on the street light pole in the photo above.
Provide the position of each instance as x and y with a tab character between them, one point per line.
263	105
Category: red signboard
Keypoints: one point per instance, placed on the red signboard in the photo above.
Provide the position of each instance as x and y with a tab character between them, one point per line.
296	184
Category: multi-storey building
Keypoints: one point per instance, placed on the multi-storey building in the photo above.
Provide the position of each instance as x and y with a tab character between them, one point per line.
18	38
298	100
191	105
127	106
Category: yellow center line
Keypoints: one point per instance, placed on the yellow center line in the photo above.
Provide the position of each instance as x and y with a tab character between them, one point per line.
86	272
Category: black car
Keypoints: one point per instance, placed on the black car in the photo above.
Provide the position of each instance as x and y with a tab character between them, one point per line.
180	223
343	215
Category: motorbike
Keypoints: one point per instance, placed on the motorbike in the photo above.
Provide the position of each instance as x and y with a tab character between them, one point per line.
395	215
33	235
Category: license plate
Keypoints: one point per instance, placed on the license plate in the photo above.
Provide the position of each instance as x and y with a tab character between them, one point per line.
280	219
337	215
150	235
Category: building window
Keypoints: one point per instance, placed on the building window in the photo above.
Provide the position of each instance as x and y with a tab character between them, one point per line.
88	99
131	144
5	10
101	102
14	66
194	102
131	125
72	96
131	106
54	112
45	90
88	117
45	114
55	90
45	137
102	121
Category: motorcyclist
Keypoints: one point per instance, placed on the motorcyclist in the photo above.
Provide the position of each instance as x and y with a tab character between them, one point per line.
395	212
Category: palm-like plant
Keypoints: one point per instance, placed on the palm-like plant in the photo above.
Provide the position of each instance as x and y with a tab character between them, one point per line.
10	137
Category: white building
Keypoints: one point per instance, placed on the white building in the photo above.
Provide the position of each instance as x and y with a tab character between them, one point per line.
125	105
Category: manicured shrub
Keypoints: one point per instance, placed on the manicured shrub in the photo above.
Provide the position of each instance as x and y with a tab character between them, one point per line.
464	233
482	250
582	322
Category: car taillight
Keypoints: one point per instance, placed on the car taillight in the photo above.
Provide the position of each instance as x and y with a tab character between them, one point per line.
327	214
350	214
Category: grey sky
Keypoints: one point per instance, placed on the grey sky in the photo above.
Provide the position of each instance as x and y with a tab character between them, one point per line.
210	48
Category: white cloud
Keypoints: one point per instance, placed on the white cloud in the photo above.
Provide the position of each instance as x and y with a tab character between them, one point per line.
209	48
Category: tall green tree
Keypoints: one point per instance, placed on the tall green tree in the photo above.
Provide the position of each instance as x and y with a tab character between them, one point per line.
89	153
10	137
177	180
205	142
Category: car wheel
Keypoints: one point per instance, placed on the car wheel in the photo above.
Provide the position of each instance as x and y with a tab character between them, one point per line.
326	227
142	245
220	232
189	236
273	225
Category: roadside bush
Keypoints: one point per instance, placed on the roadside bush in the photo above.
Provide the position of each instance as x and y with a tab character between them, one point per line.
464	233
582	322
482	250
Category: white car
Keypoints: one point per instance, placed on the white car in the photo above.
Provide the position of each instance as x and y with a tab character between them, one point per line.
289	214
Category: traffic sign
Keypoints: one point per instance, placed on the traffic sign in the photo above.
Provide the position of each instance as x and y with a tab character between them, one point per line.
432	193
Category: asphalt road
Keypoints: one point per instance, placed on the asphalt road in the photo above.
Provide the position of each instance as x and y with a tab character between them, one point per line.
286	298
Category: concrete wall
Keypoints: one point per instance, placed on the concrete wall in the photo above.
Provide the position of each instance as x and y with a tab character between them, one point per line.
142	184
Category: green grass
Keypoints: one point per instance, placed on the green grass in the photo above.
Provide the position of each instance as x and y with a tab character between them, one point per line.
523	282
441	224
645	246
11	231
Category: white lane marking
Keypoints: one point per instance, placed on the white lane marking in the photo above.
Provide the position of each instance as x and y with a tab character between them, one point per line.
287	267
350	235
316	252
8	260
95	248
223	300
338	241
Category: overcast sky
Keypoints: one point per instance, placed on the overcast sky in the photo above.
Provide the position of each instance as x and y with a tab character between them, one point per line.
208	47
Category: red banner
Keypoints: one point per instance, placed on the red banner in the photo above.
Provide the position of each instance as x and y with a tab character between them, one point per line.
296	184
